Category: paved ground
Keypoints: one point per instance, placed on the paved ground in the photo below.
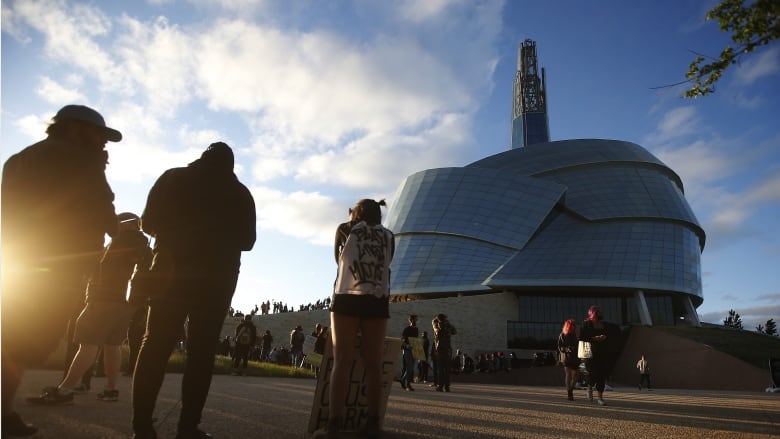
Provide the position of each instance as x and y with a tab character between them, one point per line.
279	408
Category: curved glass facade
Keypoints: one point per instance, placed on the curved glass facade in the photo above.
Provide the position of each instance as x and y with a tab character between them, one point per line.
574	218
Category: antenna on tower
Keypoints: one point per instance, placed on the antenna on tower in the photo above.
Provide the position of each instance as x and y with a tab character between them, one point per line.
529	100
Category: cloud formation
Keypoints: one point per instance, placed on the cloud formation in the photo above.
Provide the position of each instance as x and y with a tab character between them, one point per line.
308	105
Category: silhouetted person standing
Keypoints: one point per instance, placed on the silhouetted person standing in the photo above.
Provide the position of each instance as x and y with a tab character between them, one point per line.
442	342
56	209
202	218
246	337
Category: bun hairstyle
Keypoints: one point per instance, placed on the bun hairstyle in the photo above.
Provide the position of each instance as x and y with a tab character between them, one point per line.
368	210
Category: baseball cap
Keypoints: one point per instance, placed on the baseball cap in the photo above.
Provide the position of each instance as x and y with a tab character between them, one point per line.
90	116
127	217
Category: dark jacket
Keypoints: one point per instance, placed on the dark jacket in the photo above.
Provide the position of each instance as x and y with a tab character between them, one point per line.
442	337
202	218
601	348
567	346
122	254
57	206
249	328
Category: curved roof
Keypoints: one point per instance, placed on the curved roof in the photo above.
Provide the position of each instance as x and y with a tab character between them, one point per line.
571	214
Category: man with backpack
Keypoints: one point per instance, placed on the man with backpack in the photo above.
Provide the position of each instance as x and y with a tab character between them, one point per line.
297	337
246	336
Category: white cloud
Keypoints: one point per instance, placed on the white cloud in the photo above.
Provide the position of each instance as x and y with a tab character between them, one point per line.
749	103
34	126
766	63
381	162
245	7
55	93
11	25
419	11
312	107
307	215
698	164
70	33
159	59
675	124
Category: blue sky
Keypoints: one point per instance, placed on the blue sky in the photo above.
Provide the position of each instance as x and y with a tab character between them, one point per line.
328	102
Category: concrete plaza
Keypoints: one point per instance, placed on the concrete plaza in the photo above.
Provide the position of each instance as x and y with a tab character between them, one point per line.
279	408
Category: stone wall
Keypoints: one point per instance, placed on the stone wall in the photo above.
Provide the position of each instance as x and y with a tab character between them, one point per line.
680	363
480	320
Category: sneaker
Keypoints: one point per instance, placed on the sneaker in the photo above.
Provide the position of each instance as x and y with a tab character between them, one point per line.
13	425
601	402
108	395
51	396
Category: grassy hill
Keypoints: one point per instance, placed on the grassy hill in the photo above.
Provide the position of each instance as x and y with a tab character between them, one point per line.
749	346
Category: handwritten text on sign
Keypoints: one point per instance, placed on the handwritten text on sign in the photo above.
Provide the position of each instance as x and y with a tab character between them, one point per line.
355	410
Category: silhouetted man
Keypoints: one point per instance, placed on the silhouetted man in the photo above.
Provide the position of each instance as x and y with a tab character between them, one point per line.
202	218
56	209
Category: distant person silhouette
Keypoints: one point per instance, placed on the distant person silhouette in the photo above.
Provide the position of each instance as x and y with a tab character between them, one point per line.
567	350
246	337
56	208
202	218
644	372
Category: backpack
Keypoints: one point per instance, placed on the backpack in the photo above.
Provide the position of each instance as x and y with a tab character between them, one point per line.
244	337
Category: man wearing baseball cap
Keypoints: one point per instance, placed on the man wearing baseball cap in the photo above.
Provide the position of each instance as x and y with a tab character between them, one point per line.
57	207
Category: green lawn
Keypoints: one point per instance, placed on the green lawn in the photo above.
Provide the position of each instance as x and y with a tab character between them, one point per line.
750	346
223	365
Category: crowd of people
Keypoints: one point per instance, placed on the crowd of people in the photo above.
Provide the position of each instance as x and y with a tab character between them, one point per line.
269	307
57	209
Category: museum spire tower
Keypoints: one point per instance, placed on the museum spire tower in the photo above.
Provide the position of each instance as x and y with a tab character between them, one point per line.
529	100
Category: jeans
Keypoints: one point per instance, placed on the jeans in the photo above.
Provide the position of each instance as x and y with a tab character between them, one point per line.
407	371
297	356
443	364
242	356
164	328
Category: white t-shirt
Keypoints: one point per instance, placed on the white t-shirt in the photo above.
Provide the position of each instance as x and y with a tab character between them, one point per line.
364	263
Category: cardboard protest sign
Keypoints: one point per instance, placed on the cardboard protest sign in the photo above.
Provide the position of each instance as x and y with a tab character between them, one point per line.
355	410
418	352
313	358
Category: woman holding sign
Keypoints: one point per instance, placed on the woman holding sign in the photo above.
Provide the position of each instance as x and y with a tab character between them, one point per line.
363	250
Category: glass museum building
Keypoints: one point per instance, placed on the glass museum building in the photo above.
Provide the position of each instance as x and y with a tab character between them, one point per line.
559	226
548	229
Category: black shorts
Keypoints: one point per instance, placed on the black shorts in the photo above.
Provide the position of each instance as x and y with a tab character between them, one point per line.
362	306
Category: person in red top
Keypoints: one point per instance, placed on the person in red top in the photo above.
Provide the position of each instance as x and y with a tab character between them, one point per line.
567	350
